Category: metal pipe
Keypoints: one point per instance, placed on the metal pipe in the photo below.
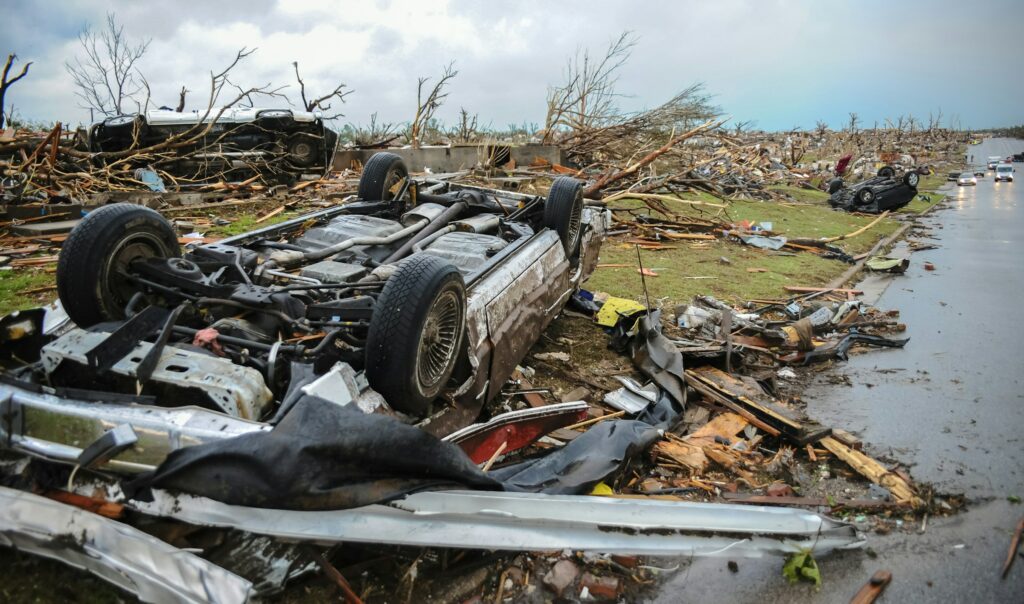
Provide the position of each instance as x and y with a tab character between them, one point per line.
288	258
431	238
447	216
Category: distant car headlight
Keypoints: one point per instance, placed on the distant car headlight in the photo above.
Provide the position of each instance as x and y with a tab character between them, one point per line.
275	113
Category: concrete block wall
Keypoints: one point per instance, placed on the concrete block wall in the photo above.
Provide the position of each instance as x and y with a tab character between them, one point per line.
452	159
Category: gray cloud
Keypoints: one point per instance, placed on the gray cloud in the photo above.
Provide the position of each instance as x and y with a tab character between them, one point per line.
781	63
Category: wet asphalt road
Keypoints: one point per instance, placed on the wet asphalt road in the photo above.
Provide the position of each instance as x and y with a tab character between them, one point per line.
953	410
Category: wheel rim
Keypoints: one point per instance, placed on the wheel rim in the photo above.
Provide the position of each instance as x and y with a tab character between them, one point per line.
912	180
302	151
392	184
439	339
575	220
135	247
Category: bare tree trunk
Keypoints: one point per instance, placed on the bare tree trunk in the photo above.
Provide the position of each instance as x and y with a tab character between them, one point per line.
6	83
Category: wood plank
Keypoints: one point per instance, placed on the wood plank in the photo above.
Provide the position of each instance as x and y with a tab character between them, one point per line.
873	471
811	290
873	588
1014	546
45	228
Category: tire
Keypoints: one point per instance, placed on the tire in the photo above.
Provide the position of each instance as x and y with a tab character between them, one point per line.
865	196
380	174
834	185
911	179
563	213
102	244
302	149
416	333
886	172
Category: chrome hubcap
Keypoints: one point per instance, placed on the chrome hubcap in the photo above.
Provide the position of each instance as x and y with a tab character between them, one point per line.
438	339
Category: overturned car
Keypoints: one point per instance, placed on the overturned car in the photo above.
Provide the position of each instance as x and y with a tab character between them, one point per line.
317	382
273	141
428	292
885	191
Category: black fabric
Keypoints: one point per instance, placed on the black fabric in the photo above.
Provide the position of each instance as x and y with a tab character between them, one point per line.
319	456
575	468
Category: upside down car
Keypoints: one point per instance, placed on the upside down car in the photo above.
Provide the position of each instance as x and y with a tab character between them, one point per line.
885	191
221	411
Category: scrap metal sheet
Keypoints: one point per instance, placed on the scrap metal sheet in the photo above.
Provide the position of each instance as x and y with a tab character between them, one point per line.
528	521
139	563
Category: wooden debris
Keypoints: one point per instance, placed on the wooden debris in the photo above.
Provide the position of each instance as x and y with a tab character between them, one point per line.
873	588
875	472
96	505
814	290
1011	555
272	213
336	576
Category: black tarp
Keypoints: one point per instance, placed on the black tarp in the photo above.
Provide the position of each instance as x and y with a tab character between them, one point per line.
575	468
319	456
324	456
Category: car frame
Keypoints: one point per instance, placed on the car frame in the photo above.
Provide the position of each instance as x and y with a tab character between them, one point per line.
885	191
372	349
261	139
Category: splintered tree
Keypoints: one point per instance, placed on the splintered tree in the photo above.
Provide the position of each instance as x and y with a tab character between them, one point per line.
106	78
427	105
586	99
6	83
320	103
466	130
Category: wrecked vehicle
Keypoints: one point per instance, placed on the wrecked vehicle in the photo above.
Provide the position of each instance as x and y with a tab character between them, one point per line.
257	139
429	292
885	191
213	416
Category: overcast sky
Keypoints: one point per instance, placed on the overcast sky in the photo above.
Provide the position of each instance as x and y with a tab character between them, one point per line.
780	63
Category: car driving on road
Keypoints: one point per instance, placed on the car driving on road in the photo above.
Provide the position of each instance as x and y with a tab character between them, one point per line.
966	179
1003	172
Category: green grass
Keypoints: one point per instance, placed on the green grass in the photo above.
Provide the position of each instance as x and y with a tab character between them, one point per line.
931	182
801	194
677	268
14	283
245	223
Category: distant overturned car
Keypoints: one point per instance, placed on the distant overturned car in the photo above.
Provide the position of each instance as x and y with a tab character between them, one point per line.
886	191
263	140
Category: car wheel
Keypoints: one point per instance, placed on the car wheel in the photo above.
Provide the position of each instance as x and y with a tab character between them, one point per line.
865	196
834	185
911	179
101	247
416	333
886	172
302	149
563	213
382	175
